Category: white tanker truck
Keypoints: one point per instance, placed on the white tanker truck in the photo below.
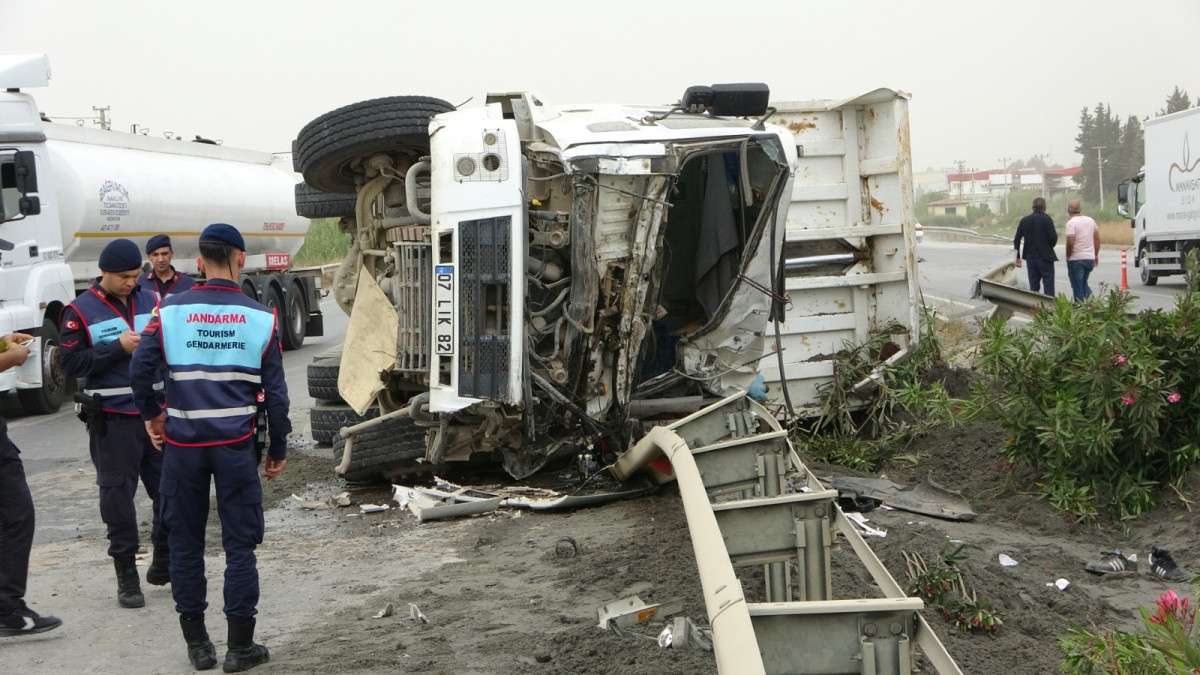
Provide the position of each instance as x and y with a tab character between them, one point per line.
66	191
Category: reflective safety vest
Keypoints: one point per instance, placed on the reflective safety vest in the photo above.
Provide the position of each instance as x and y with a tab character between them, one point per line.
105	323
213	340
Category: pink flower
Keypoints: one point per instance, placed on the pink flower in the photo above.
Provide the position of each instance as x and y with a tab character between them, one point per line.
1174	397
1128	398
1119	360
1168	602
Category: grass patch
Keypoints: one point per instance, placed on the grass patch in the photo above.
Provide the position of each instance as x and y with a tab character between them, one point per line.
323	244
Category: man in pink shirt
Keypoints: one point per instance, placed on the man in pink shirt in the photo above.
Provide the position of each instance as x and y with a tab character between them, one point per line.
1083	250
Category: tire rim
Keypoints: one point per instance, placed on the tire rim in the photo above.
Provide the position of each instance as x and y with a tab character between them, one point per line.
54	379
296	321
1145	271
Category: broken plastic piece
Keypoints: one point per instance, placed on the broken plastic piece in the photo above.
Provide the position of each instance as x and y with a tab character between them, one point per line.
1060	584
683	633
860	523
1007	560
633	610
342	499
415	613
927	498
387	611
373	508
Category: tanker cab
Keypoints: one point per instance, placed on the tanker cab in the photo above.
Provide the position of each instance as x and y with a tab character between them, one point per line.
18	185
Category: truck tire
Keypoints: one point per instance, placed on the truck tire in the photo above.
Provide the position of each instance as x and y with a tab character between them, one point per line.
1149	278
388	445
273	299
328	147
328	419
312	203
293	321
56	386
322	379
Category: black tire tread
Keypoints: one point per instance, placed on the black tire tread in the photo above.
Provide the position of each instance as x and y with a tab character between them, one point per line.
322	380
313	203
358	129
382	447
327	420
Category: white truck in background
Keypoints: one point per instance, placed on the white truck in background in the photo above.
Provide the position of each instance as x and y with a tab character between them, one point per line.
1163	200
66	191
528	281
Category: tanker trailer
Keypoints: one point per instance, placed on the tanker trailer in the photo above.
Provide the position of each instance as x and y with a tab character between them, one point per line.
67	191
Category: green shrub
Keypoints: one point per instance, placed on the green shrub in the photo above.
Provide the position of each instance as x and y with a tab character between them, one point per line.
1168	643
1103	405
324	243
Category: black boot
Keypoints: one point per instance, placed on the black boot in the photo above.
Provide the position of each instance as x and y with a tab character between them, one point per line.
243	653
201	651
159	573
129	589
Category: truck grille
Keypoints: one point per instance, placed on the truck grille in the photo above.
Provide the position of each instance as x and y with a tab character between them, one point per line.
413	301
483	294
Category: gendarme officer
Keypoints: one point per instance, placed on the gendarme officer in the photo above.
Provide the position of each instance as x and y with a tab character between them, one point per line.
101	328
225	363
163	279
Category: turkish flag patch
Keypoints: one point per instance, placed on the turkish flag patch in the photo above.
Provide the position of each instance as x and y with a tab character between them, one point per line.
72	324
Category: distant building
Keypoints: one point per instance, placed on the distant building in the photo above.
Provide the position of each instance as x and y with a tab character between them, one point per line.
950	206
990	187
927	182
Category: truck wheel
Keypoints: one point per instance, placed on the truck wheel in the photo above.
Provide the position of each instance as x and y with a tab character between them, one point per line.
1149	278
56	386
389	445
328	149
323	379
312	203
274	302
327	420
293	322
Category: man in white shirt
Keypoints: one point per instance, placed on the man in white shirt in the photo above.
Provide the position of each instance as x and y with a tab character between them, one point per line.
1083	250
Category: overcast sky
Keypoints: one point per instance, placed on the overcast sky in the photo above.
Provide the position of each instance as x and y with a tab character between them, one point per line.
988	79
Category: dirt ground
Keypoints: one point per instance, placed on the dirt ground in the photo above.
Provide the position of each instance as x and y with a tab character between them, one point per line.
499	600
1047	546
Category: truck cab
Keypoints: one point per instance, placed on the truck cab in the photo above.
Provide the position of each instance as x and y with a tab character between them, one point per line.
526	281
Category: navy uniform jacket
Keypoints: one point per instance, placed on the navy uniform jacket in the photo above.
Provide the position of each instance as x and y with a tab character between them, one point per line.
178	284
222	352
92	327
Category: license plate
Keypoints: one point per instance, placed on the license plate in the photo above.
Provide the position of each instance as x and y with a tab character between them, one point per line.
443	310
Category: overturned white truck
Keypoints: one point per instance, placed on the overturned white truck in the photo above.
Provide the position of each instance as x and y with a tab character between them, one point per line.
529	281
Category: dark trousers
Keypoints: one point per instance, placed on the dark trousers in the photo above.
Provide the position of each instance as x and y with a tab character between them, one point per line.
122	455
1041	275
16	526
187	472
1078	272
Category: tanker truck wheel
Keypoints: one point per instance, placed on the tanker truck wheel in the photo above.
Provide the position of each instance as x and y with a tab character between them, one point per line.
295	319
392	446
329	150
56	386
312	203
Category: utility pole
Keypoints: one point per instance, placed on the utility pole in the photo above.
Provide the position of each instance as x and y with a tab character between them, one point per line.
105	123
961	170
1100	167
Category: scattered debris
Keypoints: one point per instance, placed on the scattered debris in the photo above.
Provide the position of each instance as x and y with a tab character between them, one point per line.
1007	561
342	499
860	523
387	611
633	610
310	504
1061	584
373	508
566	547
927	498
415	614
683	633
451	500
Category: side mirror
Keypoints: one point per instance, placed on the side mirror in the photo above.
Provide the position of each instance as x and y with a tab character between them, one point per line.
18	185
1123	193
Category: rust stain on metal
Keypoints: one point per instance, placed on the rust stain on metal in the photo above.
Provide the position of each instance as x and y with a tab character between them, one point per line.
801	126
878	205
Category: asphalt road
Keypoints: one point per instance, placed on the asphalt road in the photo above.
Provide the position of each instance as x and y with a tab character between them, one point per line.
51	441
948	271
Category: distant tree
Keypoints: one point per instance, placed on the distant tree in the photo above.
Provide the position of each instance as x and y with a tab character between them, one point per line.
1036	162
1016	166
1131	153
1178	100
1098	128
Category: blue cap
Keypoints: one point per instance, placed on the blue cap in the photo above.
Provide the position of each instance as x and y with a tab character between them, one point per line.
220	233
121	255
156	242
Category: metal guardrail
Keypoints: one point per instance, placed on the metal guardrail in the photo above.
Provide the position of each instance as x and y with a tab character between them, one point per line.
998	286
750	501
963	232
